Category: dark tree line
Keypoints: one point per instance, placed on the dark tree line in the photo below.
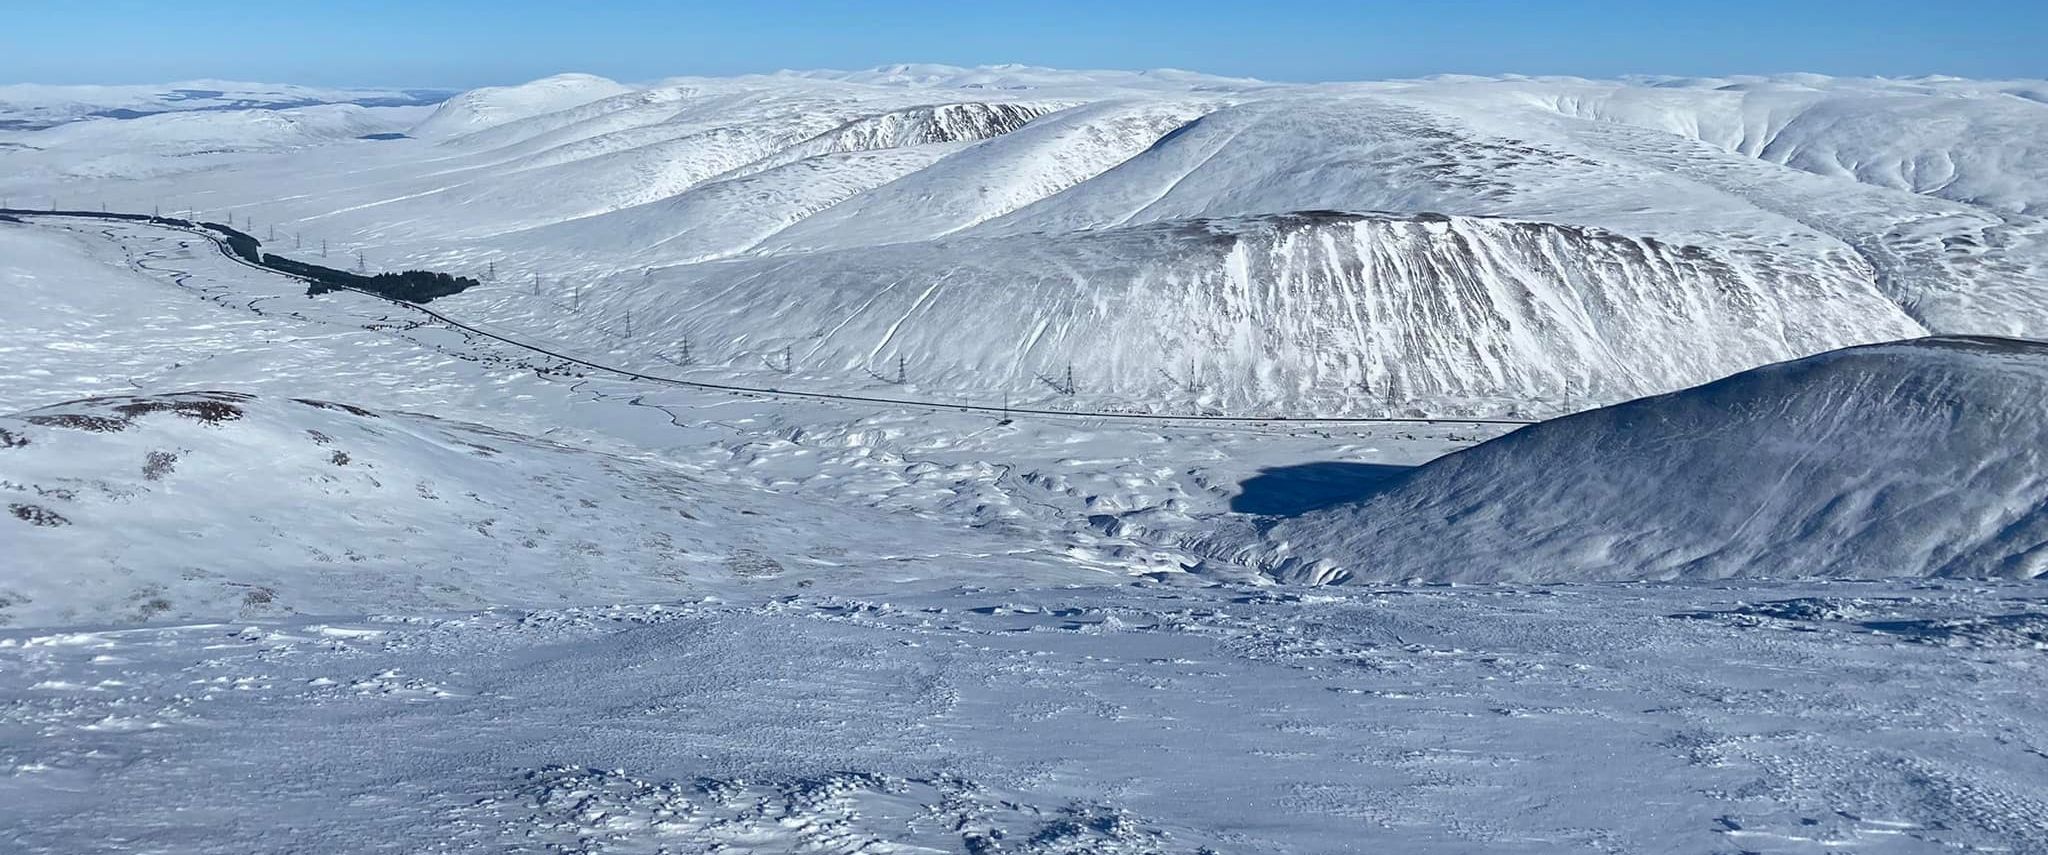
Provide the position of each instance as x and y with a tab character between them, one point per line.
239	243
412	286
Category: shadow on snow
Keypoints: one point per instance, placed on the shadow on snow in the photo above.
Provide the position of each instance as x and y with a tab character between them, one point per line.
1291	490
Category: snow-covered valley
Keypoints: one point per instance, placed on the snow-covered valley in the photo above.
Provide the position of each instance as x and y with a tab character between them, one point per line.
1019	460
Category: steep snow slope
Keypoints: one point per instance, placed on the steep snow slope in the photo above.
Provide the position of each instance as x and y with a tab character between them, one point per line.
217	504
557	185
727	216
1044	158
1331	311
924	125
1957	262
1476	148
1920	458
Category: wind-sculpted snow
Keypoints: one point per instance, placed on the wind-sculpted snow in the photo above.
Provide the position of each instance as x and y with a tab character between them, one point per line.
1334	311
1921	458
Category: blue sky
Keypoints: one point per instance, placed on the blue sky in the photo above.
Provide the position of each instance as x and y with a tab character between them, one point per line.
463	43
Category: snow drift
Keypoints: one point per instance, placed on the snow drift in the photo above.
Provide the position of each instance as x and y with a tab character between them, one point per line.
1920	458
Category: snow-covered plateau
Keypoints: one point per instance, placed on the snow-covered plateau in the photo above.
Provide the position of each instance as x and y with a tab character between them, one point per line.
1016	460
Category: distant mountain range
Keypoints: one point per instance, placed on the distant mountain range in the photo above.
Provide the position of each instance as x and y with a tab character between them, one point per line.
1178	242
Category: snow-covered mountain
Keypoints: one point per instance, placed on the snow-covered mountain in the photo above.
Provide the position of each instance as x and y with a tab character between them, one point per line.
478	109
1919	458
1181	240
1319	311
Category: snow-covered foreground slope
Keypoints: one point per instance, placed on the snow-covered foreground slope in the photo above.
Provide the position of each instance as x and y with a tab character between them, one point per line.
1870	718
1101	219
214	504
1920	458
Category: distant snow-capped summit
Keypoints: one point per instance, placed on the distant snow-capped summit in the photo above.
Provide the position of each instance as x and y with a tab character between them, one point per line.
495	105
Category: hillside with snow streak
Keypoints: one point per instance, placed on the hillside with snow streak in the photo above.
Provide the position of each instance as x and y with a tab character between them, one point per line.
1919	458
1325	311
